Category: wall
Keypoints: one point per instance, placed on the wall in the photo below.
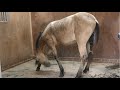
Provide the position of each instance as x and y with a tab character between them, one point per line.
119	40
15	39
108	43
0	70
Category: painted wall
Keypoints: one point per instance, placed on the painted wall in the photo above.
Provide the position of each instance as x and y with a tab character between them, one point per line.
0	70
15	39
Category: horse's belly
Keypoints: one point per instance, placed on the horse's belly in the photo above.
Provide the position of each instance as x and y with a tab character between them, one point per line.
68	39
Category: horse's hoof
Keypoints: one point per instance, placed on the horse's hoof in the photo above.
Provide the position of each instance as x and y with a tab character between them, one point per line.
61	72
86	70
78	77
61	75
47	64
37	69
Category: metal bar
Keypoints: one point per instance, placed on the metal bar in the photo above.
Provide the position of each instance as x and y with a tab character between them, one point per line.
3	16
0	16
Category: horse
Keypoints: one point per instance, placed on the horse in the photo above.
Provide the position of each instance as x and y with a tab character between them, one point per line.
81	28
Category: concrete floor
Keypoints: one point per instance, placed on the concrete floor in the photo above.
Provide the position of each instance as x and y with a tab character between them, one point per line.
27	70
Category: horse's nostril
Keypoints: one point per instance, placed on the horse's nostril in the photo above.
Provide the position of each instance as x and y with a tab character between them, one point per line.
47	64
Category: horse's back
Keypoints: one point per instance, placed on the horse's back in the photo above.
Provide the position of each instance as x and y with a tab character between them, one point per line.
64	29
87	17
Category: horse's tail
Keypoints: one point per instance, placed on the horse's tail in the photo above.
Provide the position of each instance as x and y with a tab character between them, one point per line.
95	36
37	41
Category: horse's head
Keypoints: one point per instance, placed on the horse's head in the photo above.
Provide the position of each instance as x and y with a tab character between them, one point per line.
41	55
42	59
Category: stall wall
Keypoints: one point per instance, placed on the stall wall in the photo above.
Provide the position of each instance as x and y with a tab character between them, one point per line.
15	39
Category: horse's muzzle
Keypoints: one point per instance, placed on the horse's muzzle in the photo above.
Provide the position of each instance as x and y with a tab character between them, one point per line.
47	64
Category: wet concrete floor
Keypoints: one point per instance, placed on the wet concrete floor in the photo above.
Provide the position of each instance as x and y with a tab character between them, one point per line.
27	70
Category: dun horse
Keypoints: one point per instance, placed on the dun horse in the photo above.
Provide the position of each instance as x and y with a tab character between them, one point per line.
81	28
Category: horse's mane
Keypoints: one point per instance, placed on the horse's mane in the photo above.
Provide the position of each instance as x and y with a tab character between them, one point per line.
38	40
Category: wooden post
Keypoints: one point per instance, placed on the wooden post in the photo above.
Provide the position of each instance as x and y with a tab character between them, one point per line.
31	33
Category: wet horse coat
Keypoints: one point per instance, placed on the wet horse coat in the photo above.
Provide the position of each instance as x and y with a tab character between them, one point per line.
81	28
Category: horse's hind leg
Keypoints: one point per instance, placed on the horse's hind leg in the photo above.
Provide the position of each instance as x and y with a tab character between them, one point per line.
83	56
90	57
81	39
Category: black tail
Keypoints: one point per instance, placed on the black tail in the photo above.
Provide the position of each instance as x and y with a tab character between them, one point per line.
95	36
38	39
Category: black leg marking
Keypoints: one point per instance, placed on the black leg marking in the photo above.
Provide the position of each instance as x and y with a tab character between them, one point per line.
78	76
38	67
60	67
90	58
36	62
79	73
86	70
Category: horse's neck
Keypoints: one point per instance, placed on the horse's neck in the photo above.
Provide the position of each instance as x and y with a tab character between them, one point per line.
42	46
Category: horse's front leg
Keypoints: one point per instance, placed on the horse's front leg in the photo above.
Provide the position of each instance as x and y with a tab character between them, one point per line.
38	67
58	62
61	67
51	45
